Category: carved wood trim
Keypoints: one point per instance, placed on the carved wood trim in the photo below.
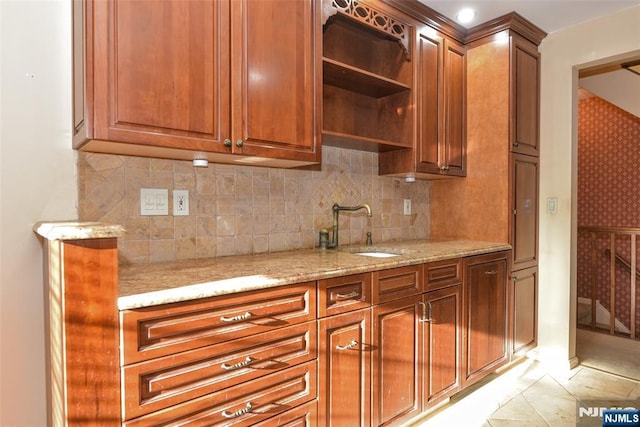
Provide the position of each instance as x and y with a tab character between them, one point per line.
511	21
372	18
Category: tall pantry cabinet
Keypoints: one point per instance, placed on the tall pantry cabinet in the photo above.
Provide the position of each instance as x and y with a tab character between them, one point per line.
498	200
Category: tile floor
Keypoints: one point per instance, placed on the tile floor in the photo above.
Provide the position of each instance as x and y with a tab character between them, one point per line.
528	395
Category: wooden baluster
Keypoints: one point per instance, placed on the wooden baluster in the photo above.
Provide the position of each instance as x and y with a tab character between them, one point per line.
612	291
633	286
592	276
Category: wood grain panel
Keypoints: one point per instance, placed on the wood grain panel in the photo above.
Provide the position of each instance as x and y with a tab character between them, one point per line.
342	294
396	283
444	273
159	331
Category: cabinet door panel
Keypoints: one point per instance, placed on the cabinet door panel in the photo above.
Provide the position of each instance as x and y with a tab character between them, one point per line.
486	315
526	72
442	343
274	100
345	376
524	227
161	73
455	157
525	308
396	347
429	57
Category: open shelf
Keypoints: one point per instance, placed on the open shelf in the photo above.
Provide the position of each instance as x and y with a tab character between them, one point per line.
356	142
339	74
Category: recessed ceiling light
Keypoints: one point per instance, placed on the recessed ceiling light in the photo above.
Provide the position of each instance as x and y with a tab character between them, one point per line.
464	16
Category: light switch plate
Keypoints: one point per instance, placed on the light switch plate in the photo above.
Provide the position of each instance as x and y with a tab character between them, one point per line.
407	206
552	205
154	201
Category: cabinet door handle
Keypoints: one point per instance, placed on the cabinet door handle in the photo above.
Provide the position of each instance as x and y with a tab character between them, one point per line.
516	144
239	412
237	318
424	318
246	362
239	143
491	272
349	295
444	168
353	344
227	142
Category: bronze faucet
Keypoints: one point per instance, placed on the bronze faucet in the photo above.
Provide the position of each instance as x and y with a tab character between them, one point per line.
336	210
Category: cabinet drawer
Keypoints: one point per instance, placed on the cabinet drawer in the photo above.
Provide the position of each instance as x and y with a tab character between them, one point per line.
159	331
244	404
301	416
444	273
159	383
396	283
342	294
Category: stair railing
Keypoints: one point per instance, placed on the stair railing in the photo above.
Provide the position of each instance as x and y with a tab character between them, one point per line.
614	257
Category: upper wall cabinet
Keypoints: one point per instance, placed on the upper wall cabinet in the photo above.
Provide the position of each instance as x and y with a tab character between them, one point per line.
367	76
525	138
214	78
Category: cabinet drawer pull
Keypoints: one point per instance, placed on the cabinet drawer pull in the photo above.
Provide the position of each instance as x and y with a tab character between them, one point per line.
349	295
239	317
491	272
239	412
245	362
239	143
227	142
353	344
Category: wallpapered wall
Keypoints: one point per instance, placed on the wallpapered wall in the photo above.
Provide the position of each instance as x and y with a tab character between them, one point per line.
608	195
246	209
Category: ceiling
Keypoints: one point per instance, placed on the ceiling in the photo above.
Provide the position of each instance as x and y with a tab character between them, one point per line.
549	15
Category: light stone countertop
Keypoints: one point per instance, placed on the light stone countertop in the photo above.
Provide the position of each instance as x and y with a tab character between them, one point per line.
153	284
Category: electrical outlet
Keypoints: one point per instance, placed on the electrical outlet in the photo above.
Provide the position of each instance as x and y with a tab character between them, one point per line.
180	202
407	206
154	201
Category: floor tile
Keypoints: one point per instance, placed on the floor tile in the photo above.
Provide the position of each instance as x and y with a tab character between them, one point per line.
552	401
592	384
517	409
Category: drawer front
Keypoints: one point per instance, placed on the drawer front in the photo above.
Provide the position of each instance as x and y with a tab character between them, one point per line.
242	405
301	416
342	294
395	283
159	383
441	274
153	332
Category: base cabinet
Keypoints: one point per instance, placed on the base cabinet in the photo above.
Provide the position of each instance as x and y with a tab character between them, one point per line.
486	315
396	351
442	340
344	369
524	300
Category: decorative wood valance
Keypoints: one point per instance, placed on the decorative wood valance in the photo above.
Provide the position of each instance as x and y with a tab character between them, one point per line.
372	18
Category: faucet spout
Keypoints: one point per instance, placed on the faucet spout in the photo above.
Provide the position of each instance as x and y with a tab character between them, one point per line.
336	210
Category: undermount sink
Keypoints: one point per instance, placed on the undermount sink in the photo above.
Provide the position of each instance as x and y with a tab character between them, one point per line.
377	254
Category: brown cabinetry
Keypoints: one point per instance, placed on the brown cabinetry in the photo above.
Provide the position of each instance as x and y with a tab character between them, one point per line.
239	358
175	78
485	315
345	369
524	300
442	322
524	220
396	353
440	148
367	76
525	70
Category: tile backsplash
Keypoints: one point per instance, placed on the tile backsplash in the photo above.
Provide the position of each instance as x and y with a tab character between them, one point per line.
245	209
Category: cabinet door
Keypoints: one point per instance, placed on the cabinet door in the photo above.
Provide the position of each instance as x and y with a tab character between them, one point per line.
274	78
158	73
441	144
396	344
524	218
485	302
526	97
345	376
454	109
525	309
442	343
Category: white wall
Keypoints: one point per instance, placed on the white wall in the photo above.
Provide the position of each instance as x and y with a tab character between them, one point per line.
600	41
37	182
